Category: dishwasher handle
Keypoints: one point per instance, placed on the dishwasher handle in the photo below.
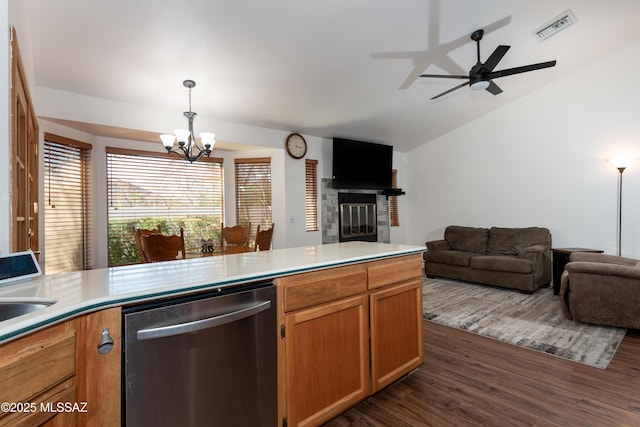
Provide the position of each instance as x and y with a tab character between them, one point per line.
198	325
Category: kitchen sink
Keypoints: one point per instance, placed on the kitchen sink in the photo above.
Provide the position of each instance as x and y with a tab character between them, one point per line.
14	308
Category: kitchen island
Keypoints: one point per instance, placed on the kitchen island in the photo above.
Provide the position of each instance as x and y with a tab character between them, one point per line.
370	281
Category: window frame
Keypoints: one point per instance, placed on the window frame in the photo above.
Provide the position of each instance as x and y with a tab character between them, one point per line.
172	178
312	222
245	169
68	245
394	213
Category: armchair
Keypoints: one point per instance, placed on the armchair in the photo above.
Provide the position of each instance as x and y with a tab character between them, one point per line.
601	289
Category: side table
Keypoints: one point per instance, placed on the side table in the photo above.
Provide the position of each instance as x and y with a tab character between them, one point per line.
560	259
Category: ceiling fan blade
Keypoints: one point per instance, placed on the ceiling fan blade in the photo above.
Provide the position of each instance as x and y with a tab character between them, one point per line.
444	76
495	57
493	88
451	90
517	70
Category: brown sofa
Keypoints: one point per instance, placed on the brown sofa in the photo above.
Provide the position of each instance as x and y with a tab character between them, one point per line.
518	258
601	289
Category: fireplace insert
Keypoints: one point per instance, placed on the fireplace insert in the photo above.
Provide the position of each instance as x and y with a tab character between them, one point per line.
358	217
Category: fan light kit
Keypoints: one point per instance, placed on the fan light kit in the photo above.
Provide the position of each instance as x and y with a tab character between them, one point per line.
479	85
481	75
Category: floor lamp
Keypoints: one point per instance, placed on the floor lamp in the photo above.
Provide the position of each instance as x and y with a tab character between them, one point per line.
619	165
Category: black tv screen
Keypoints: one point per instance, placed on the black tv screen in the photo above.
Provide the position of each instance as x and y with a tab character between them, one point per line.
359	164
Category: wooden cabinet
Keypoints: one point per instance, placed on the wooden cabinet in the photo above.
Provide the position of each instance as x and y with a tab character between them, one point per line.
327	356
57	376
347	333
24	165
37	373
98	374
326	342
395	318
396	332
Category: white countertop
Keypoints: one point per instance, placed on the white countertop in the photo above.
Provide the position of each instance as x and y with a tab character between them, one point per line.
86	291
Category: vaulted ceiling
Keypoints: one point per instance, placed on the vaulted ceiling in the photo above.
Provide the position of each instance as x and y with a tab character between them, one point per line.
345	68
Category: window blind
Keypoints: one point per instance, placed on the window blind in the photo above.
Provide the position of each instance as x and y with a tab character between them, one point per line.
67	210
154	190
253	192
311	194
394	218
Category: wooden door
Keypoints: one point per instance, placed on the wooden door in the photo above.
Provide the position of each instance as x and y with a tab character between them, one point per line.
327	360
396	332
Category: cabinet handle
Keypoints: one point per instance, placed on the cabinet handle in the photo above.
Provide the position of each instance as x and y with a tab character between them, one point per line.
106	342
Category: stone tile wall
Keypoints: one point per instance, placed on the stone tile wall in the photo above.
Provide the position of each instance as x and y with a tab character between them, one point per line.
329	212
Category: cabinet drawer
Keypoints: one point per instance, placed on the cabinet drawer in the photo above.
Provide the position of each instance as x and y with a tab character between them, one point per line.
317	287
32	365
394	270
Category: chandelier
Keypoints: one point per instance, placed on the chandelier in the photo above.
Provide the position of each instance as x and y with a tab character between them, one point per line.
188	147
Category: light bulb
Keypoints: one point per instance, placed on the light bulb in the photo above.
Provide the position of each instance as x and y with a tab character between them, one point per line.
208	139
182	135
168	140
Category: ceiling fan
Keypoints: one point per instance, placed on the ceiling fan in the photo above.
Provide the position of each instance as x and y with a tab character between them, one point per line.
481	75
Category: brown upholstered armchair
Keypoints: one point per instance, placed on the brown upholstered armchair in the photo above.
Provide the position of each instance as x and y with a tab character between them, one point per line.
602	289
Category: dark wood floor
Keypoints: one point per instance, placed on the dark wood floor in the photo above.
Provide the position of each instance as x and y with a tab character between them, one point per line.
469	380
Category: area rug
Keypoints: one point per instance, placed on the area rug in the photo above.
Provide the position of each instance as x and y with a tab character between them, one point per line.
534	321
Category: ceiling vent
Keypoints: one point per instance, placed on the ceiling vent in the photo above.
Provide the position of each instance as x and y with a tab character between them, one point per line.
554	26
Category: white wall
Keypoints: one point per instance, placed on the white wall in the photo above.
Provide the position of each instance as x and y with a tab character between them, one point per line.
294	198
401	164
540	161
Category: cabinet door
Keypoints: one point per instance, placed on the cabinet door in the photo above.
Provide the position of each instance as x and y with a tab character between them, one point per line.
98	374
38	371
24	154
396	332
327	360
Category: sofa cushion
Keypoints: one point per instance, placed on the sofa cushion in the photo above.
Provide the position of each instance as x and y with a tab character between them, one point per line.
501	263
449	257
512	241
467	239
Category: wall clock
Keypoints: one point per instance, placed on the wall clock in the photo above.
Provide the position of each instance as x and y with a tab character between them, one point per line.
296	146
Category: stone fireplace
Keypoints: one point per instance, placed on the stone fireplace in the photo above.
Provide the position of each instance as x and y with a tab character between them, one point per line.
353	214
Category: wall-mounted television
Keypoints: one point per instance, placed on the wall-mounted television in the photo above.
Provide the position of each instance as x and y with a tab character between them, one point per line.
358	164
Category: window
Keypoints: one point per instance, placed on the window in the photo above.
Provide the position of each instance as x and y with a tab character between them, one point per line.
394	218
311	194
154	190
253	192
67	214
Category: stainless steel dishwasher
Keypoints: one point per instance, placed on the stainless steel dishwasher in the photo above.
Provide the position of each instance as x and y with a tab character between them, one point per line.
208	360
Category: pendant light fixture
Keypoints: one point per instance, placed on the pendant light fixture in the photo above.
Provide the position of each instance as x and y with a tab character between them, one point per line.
188	147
